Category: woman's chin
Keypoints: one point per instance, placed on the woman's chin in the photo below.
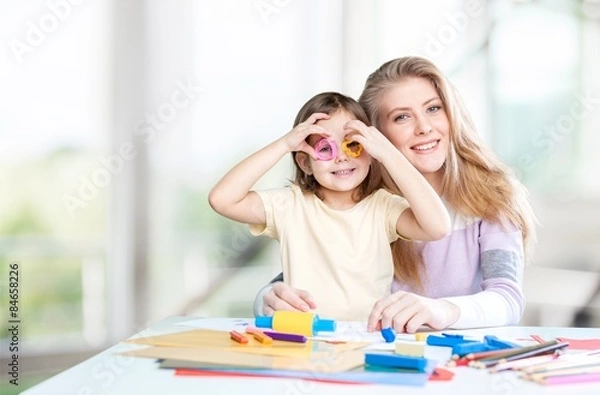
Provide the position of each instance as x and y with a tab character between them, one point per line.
429	167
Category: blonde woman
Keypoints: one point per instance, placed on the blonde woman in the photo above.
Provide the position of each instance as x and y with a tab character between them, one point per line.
473	277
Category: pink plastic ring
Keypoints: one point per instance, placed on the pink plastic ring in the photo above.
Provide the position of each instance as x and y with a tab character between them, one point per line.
321	151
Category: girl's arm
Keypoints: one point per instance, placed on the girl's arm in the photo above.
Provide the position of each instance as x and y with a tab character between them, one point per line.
232	196
427	218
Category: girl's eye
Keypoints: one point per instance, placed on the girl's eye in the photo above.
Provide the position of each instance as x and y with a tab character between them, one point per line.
401	117
325	149
434	108
353	145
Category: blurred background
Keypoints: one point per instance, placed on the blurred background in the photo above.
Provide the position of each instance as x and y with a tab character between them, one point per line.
117	117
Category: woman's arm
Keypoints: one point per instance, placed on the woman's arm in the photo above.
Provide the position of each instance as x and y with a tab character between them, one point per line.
427	218
501	301
498	256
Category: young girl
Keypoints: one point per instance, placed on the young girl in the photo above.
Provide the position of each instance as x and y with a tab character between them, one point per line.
334	223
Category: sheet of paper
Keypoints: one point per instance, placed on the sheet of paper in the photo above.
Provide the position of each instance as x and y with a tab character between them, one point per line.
219	339
330	363
362	376
346	331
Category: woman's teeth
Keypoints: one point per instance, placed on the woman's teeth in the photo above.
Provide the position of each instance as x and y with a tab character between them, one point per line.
427	146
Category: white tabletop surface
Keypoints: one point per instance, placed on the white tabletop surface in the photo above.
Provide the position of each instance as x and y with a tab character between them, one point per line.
110	373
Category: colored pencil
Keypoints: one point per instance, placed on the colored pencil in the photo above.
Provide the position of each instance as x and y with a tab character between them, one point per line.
484	354
522	363
564	360
525	352
563	373
562	367
577	378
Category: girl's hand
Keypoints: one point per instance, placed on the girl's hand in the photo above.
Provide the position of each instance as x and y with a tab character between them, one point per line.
406	312
295	140
372	140
285	297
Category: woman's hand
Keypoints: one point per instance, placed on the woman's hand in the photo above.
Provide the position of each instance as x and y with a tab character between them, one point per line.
406	312
284	297
373	141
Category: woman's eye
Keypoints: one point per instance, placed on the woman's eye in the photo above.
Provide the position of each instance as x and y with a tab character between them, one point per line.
401	117
434	108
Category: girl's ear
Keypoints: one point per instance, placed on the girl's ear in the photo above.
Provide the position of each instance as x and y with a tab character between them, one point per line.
303	161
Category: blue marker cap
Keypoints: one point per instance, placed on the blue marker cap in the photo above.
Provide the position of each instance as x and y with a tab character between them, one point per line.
263	322
388	334
323	325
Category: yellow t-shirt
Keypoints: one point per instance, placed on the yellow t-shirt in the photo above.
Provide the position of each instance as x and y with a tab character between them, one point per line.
343	258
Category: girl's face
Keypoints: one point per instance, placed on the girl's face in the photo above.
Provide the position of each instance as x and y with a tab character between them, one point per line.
342	175
413	118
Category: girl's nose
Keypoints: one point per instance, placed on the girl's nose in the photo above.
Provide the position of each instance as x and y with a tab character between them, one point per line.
341	156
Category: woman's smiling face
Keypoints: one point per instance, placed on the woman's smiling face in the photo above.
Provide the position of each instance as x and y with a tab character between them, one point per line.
413	117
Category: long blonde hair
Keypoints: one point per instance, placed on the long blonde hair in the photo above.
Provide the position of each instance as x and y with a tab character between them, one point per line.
475	182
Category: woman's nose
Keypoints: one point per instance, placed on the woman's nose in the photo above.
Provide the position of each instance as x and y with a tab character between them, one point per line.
423	129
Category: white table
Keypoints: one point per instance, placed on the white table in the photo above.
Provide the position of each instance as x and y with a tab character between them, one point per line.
109	373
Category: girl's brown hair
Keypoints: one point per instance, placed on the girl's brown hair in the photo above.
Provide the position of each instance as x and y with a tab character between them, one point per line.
330	103
475	182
